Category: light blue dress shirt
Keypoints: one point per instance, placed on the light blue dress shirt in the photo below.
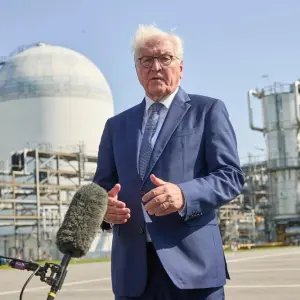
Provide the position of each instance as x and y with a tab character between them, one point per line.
163	113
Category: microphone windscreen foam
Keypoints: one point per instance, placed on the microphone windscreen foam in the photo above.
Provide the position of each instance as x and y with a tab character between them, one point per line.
82	220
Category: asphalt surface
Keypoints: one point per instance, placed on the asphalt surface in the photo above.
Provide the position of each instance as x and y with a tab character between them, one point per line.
259	274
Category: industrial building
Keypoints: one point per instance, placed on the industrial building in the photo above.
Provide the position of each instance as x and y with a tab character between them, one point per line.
268	210
52	95
280	105
54	103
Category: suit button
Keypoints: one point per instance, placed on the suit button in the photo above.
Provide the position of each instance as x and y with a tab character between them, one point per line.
142	231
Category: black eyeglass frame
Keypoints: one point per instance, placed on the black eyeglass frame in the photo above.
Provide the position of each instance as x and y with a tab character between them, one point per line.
172	58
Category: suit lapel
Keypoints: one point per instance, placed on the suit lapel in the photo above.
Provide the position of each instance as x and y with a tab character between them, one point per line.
134	129
176	112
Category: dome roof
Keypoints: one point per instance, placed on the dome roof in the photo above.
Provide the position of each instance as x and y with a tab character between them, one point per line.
51	71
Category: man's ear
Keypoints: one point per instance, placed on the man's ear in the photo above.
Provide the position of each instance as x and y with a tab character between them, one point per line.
181	69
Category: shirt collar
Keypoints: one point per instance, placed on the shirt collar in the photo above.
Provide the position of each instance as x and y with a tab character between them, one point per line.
166	102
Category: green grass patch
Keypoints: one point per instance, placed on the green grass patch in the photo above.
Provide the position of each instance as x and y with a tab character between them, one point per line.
262	248
72	262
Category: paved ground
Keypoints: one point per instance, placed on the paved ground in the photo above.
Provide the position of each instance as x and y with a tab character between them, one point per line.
258	274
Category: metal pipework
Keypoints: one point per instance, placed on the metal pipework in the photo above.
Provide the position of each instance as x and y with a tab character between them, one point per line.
296	86
250	110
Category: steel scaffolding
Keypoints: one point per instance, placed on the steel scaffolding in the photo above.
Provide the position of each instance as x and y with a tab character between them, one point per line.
36	191
245	216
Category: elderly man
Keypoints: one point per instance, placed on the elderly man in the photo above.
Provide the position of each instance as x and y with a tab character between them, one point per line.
167	163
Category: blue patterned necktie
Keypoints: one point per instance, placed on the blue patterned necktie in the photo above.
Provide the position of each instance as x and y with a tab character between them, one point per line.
146	148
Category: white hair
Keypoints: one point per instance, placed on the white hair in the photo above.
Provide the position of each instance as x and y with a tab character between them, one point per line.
146	33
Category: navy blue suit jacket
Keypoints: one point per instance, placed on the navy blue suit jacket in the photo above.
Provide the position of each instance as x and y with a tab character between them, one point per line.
196	149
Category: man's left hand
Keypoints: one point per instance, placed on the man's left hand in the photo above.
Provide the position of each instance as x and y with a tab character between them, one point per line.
166	198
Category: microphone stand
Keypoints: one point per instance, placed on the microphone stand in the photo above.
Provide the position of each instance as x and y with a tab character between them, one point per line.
55	279
60	277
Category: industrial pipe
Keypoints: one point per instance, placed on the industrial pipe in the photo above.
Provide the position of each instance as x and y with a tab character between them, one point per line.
296	86
250	110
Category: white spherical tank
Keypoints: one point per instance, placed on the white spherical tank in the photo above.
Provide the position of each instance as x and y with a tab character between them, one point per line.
50	94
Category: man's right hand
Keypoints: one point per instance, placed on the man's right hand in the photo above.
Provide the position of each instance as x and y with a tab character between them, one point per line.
117	212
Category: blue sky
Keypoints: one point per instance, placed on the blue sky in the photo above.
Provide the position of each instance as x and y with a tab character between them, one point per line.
229	45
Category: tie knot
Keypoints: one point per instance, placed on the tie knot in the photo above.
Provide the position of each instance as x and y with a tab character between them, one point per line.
156	107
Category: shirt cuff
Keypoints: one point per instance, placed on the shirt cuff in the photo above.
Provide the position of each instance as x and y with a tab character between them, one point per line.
182	212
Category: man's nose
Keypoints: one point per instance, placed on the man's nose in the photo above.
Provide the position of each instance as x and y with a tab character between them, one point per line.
156	64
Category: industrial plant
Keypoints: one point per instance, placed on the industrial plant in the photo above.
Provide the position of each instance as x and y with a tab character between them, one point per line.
54	103
268	210
280	105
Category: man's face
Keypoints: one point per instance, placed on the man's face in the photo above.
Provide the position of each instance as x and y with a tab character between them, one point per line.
159	77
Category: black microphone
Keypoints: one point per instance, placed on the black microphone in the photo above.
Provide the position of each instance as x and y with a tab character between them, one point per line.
19	264
77	232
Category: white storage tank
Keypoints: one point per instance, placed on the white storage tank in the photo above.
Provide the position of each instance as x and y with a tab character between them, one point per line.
52	95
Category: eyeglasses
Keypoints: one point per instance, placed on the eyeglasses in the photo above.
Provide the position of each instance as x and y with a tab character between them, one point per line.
164	60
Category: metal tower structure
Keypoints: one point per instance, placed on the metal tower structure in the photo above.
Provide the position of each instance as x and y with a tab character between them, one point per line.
244	217
280	105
